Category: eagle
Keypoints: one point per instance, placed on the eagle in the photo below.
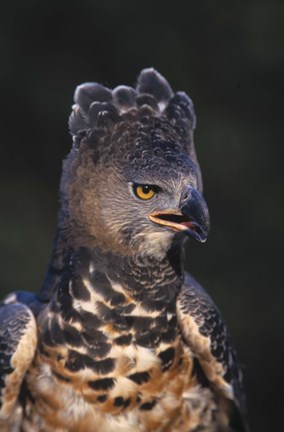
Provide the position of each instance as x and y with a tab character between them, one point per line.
120	338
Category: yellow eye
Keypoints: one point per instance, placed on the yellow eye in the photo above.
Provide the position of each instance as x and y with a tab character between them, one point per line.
145	192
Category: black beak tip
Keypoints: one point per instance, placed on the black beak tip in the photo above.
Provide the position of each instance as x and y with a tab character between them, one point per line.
197	211
200	234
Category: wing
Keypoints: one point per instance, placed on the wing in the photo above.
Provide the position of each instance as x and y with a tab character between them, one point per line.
18	339
205	332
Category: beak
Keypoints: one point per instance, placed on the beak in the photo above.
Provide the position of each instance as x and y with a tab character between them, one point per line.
192	219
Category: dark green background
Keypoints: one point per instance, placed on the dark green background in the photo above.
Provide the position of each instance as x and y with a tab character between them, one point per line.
228	55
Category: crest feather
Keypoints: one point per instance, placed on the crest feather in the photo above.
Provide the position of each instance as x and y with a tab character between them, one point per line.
89	92
99	107
153	83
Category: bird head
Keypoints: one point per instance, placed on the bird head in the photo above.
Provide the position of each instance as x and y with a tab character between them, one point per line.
131	183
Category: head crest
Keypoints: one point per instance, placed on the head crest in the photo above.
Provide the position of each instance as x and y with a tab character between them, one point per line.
99	107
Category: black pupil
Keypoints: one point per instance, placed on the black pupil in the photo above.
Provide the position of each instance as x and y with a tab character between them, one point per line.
146	189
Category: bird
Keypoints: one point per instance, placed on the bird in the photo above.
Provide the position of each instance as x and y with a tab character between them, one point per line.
120	337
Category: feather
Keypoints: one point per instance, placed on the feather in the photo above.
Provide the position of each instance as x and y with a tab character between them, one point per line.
150	81
124	97
87	93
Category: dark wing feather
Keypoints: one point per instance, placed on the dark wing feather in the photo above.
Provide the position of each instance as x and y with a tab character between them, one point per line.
206	333
18	338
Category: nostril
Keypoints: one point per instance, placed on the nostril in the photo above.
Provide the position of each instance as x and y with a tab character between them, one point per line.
185	197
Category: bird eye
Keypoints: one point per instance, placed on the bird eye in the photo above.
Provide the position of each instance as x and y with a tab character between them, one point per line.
145	192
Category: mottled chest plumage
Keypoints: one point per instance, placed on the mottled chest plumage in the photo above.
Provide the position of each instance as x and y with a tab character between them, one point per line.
111	345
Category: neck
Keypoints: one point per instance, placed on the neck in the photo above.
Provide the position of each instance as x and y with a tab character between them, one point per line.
152	281
129	298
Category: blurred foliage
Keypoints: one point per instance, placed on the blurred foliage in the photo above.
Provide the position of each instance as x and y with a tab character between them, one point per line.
229	57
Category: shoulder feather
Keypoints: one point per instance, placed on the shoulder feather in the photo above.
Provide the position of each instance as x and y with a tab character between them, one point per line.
18	337
205	331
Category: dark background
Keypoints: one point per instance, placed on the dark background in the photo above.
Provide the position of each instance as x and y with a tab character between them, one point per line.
228	55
